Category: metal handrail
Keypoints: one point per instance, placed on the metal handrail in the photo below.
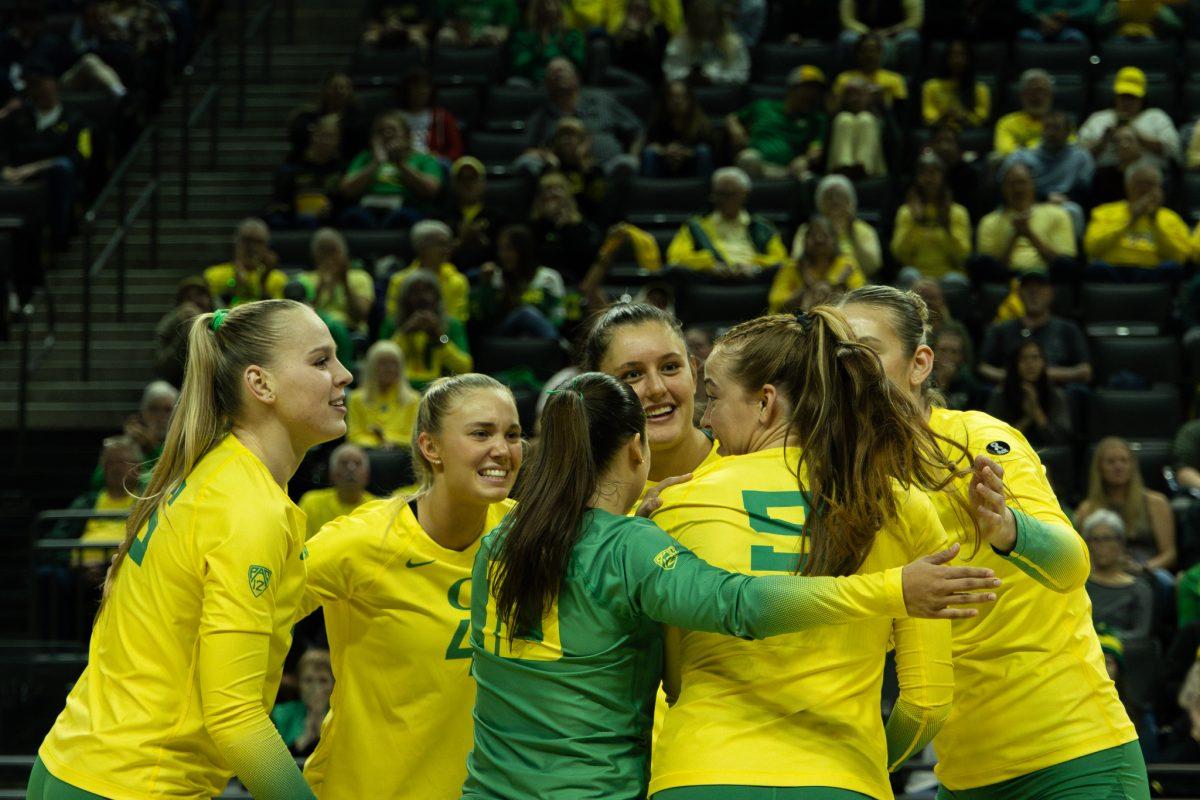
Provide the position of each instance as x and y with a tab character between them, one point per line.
28	363
259	25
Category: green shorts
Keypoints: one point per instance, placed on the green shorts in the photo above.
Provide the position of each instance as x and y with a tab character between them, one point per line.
44	786
726	792
1118	773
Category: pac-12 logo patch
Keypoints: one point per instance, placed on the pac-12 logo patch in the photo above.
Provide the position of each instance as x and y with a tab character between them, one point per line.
667	558
998	448
260	579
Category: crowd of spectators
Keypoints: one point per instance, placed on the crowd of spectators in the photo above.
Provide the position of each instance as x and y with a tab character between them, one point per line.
1019	169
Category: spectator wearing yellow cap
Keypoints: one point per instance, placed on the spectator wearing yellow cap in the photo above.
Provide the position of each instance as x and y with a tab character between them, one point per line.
1156	133
781	137
473	220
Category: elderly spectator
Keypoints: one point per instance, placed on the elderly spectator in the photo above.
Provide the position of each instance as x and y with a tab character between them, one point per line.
434	344
1023	128
516	296
932	236
1057	20
1022	235
1108	183
640	36
148	427
885	87
308	190
706	50
433	128
41	137
1155	131
118	487
349	473
338	290
336	98
954	97
1115	483
730	242
476	23
299	721
473	221
393	183
778	138
857	240
896	23
679	139
432	241
613	128
1062	171
952	370
251	275
817	276
1119	600
383	410
1063	343
192	298
544	38
1028	402
566	241
1137	239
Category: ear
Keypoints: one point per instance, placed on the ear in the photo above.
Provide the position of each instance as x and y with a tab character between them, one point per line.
260	383
770	404
429	448
922	365
636	450
695	364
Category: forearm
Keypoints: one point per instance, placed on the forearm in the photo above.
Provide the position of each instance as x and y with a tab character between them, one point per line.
925	673
785	604
424	185
909	728
355	184
1053	555
1080	373
991	373
1189	477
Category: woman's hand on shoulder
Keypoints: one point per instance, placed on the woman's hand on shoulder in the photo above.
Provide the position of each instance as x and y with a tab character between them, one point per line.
652	502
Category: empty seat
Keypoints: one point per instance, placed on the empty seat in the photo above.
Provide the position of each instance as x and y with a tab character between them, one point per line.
1160	92
717	101
375	100
1123	303
1155	359
989	57
497	150
959	301
1152	456
1191	193
384	67
495	354
1061	57
638	98
461	101
509	106
478	66
774	60
1059	462
390	470
991	295
1189	100
293	248
763	91
370	246
1149	414
721	304
664	201
510	195
875	195
1148	55
774	199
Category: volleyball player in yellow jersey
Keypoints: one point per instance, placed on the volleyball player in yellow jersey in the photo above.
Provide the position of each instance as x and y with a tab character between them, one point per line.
823	470
188	647
643	346
394	579
1028	670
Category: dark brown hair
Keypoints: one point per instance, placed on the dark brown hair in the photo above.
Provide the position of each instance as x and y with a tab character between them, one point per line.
858	435
584	424
603	326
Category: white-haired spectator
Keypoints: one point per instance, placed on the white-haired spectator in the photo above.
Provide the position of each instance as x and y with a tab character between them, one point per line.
120	464
349	474
432	240
148	427
384	407
1023	128
336	289
1119	600
251	274
1137	239
857	240
730	241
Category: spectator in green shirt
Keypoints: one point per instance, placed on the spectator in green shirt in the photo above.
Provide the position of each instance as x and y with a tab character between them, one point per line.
778	138
393	183
475	23
544	37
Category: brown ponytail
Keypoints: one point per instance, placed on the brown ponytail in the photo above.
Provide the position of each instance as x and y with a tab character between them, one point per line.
858	435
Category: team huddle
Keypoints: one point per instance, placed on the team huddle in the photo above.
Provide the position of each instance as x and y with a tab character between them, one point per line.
651	606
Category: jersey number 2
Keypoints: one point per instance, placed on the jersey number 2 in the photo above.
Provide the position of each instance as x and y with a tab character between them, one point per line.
137	548
758	505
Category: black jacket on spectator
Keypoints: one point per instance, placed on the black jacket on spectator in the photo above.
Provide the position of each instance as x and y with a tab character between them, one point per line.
1061	340
23	143
570	249
46	48
310	184
479	246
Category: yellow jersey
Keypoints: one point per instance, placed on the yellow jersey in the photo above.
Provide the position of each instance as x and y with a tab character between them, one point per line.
397	611
103	530
712	457
393	417
799	709
224	553
322	506
1030	663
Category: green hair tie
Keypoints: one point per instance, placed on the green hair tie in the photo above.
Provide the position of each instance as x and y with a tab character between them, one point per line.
218	318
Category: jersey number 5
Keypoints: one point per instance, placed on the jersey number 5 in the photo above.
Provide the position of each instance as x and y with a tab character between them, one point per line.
137	548
758	505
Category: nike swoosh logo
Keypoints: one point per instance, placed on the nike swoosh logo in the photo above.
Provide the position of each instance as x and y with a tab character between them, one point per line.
413	565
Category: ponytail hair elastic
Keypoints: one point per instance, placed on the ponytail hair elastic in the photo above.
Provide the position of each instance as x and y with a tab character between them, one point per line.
805	319
218	318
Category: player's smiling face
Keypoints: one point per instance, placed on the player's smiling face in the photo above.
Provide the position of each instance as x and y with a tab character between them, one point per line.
732	413
308	382
479	447
652	358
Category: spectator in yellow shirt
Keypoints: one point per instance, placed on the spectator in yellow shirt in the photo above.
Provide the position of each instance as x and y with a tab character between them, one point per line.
837	201
349	472
1022	235
822	272
251	275
954	97
434	343
1023	129
932	236
888	86
338	290
120	462
433	242
729	242
1136	239
382	412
